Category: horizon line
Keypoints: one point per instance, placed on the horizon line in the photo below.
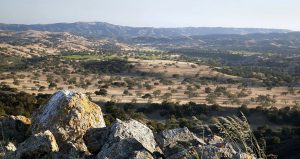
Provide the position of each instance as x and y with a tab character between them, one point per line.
158	27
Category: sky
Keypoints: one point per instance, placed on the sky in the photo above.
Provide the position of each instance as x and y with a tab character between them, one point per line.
284	14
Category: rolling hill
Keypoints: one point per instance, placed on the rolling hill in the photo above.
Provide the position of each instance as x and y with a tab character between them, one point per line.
102	29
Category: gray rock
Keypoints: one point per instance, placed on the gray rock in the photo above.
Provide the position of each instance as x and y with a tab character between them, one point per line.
170	138
213	152
190	153
178	142
95	138
127	137
69	155
123	149
35	147
136	130
68	115
142	155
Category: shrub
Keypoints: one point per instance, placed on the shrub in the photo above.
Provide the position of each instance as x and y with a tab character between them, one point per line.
102	92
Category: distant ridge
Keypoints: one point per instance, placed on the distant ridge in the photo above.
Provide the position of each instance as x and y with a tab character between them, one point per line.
102	29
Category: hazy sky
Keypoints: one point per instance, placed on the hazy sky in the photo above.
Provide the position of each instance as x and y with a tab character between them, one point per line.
156	13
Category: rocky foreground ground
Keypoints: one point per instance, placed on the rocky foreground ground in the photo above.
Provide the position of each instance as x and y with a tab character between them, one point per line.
70	126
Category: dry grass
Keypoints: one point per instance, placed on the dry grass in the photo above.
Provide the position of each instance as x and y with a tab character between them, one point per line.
166	68
237	131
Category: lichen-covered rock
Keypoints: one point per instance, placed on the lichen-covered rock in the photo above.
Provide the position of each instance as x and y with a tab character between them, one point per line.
68	115
7	149
14	127
127	137
20	118
10	147
35	147
215	140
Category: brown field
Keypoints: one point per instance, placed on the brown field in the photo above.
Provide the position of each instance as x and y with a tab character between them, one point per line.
163	69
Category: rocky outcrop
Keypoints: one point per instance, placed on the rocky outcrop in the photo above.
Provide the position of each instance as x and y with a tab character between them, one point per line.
181	143
77	129
127	139
68	115
35	146
14	127
216	152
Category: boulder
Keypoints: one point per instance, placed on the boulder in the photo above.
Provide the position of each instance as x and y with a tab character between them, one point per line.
68	115
14	127
126	138
35	147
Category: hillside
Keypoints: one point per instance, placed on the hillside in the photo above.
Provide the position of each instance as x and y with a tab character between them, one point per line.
279	43
40	43
101	29
163	82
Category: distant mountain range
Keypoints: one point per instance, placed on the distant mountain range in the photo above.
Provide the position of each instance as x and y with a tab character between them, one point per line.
102	29
286	43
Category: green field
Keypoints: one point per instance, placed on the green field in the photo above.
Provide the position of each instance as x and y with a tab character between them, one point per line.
93	57
88	57
245	53
145	57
